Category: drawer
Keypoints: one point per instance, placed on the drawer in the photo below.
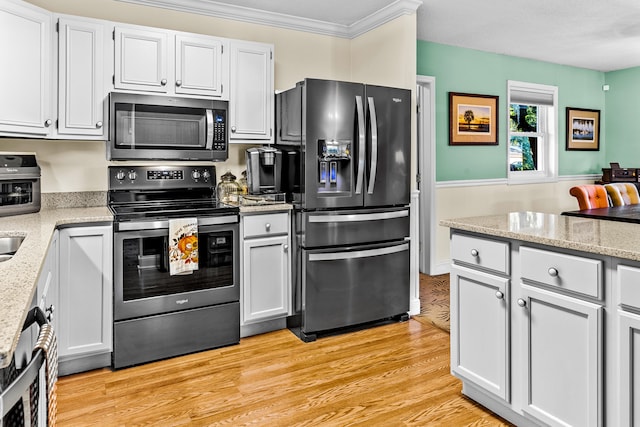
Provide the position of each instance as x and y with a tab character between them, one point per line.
629	280
266	224
484	253
567	272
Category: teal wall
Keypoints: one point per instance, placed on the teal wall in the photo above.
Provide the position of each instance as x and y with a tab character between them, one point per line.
471	71
623	106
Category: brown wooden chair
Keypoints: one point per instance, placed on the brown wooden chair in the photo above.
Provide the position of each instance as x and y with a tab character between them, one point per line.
590	196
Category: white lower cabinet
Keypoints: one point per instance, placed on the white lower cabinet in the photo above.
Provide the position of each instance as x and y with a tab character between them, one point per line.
85	315
266	283
628	316
480	319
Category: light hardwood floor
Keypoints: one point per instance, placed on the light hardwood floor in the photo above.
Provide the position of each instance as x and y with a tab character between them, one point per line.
391	375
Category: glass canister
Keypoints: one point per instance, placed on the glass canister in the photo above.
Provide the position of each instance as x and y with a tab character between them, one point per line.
228	189
244	187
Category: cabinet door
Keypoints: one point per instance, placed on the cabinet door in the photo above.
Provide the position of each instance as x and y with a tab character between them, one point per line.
251	100
266	279
47	288
85	315
25	74
80	83
629	351
202	66
141	59
563	367
480	329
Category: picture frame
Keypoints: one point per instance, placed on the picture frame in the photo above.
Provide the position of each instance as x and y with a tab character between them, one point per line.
583	129
473	119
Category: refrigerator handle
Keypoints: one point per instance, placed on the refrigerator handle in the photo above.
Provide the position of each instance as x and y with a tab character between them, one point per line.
374	144
361	144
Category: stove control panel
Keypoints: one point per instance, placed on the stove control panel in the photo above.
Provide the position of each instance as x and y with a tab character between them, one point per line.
160	177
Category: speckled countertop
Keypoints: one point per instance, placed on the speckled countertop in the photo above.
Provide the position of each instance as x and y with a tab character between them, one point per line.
611	238
265	208
19	275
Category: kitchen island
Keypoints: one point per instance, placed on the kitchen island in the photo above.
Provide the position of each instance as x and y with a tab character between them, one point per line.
545	317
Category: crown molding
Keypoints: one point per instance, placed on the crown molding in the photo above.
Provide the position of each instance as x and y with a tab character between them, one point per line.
255	16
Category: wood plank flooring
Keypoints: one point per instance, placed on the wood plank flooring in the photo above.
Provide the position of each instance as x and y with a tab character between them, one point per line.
391	375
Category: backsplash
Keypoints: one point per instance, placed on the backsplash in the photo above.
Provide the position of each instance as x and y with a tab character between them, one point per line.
78	199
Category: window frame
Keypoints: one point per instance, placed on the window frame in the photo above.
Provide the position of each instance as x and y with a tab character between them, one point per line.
547	131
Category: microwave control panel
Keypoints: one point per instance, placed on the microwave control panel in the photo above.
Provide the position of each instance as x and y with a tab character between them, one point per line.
219	130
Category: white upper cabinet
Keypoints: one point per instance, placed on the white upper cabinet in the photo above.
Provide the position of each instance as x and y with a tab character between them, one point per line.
202	66
25	77
251	100
81	85
163	61
141	59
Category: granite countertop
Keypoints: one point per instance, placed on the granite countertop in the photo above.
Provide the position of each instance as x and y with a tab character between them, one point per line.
19	275
267	207
611	238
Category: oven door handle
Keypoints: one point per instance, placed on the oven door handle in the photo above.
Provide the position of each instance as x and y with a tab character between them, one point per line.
367	253
164	224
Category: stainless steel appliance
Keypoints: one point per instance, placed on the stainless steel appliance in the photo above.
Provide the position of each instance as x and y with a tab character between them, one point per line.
155	127
346	148
156	314
264	170
19	183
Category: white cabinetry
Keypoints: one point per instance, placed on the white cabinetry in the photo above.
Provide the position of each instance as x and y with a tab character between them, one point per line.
85	314
480	313
47	287
629	346
81	85
252	98
25	74
266	282
163	61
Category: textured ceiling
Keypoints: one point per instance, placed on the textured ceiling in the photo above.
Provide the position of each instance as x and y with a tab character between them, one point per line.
601	35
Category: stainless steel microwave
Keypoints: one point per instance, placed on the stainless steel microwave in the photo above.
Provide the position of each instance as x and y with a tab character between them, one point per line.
152	127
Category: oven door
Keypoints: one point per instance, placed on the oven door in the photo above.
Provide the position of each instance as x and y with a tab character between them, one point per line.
143	285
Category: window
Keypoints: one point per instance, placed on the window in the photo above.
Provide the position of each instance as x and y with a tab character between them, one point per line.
532	137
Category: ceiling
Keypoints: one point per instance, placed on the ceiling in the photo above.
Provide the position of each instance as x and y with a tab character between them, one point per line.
592	34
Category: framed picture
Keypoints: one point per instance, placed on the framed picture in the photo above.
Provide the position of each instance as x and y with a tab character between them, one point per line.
473	119
583	129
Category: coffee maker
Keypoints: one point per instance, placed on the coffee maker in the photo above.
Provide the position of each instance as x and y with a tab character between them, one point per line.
264	170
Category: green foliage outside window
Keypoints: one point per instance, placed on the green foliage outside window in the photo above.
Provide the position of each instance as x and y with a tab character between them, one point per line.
523	118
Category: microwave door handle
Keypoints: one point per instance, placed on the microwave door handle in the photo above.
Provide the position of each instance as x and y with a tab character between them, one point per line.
361	143
209	143
374	144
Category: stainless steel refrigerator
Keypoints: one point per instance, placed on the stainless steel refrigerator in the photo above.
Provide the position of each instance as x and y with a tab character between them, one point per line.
346	150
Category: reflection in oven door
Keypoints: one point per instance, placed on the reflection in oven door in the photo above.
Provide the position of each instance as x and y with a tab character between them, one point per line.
143	285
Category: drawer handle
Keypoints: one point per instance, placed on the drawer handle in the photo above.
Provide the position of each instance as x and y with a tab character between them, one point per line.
521	302
474	252
553	272
499	295
267	227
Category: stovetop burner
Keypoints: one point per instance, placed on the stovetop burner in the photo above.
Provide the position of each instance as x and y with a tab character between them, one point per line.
162	192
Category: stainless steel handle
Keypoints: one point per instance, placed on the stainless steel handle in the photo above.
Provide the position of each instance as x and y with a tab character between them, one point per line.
521	302
374	144
163	82
178	83
209	142
474	252
361	144
553	272
499	295
99	125
335	256
158	225
358	217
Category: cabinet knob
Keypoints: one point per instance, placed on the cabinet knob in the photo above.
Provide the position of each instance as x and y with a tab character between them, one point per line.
163	82
178	82
521	302
474	252
50	311
47	122
267	227
285	248
99	125
233	128
499	295
553	272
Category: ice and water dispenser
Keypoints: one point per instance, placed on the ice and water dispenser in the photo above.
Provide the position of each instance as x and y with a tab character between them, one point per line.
334	166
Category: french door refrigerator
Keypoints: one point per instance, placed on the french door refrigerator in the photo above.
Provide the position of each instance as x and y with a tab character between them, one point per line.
346	149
